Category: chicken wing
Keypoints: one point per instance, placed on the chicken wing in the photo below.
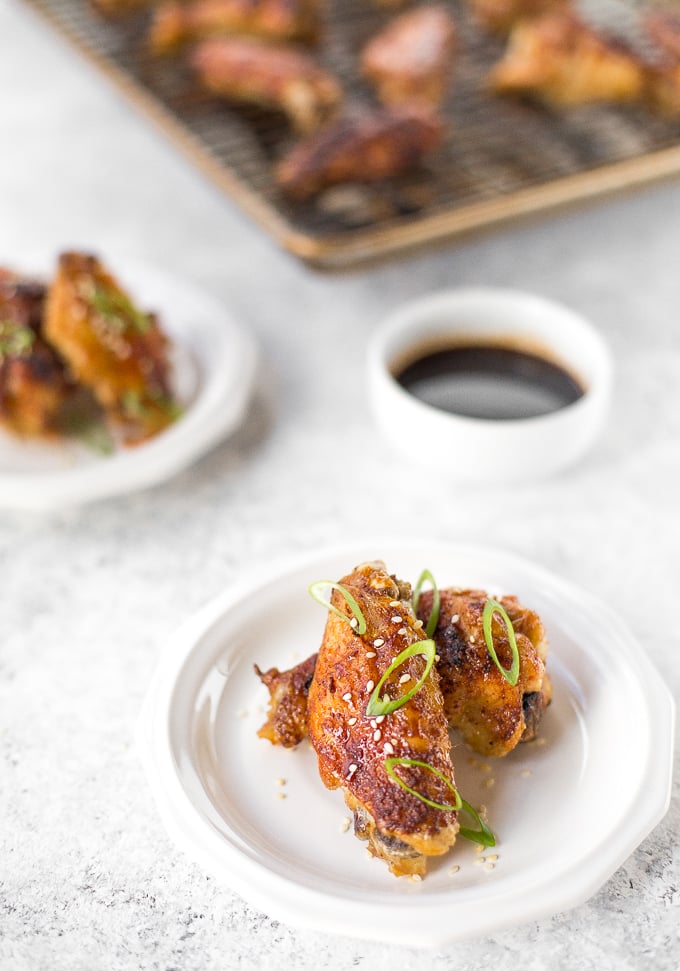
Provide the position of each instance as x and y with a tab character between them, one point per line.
272	76
491	714
352	747
562	60
411	59
368	148
175	23
111	347
34	383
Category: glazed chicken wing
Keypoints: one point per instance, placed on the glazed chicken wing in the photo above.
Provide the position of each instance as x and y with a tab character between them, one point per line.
369	148
111	347
272	76
562	60
492	715
411	59
352	747
288	690
34	384
176	23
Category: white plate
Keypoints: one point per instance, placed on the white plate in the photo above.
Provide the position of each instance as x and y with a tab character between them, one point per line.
596	787
213	372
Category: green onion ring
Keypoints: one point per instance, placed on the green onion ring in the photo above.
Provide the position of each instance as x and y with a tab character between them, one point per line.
424	577
385	706
483	835
315	592
389	768
492	607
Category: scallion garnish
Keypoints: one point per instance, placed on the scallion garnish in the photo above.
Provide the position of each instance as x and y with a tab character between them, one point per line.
483	835
358	622
385	706
426	577
15	340
492	607
119	311
389	768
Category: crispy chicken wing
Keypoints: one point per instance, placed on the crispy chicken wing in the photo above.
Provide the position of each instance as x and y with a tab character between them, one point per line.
562	60
272	76
111	347
34	383
175	23
352	747
369	148
501	15
492	715
411	59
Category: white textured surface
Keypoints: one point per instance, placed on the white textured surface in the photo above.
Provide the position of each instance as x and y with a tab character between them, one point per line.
87	878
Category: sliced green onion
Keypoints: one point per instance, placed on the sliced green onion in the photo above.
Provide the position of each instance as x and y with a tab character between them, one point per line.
483	835
15	341
119	311
389	768
358	622
492	607
385	706
426	577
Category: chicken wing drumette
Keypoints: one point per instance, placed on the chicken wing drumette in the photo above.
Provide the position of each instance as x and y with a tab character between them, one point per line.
115	350
273	76
352	747
176	23
411	59
560	59
367	148
491	714
34	383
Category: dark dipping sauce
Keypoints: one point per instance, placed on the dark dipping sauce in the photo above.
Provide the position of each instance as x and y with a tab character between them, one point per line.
490	381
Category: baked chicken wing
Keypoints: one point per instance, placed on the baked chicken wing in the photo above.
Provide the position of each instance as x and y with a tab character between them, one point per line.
276	77
562	60
176	23
369	148
411	59
116	351
352	747
286	723
491	714
34	383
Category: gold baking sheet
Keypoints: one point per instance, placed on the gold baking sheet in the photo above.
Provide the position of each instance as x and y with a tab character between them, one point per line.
502	158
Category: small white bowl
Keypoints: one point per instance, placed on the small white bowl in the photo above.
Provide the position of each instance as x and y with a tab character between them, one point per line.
475	449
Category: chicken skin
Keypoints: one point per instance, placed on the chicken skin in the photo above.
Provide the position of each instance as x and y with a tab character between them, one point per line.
368	148
492	715
273	76
119	353
34	383
411	59
561	60
176	23
352	747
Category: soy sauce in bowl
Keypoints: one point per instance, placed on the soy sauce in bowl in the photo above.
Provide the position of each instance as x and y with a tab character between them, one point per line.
492	381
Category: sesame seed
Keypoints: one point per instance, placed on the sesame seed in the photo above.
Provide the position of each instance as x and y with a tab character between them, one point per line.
280	782
453	870
353	622
280	795
415	878
490	783
489	867
525	773
394	741
370	654
455	618
479	861
345	824
351	721
377	735
374	723
479	848
370	685
380	719
387	749
395	603
397	619
404	678
437	658
347	697
352	769
492	858
418	624
472	638
485	767
402	631
378	642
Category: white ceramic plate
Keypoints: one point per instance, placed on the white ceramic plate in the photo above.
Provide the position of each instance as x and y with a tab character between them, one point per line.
213	370
566	813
